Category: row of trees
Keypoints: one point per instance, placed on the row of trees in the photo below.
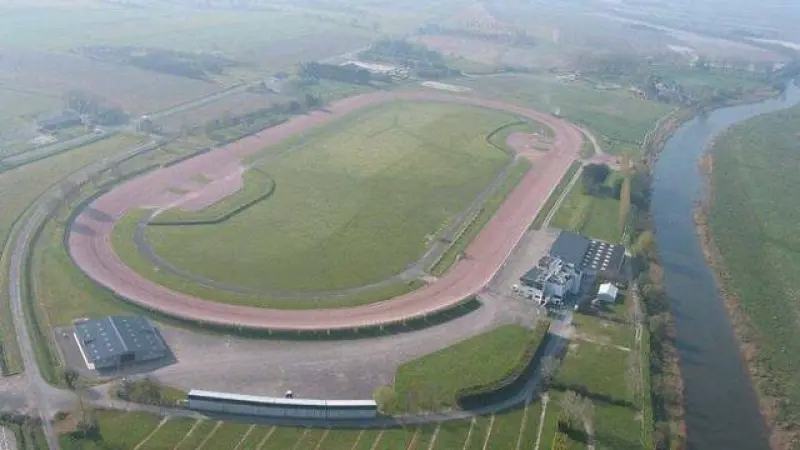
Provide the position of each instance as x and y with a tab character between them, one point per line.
94	108
517	37
422	61
348	73
198	66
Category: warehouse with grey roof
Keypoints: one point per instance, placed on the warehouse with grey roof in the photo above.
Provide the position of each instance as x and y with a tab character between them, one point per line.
116	341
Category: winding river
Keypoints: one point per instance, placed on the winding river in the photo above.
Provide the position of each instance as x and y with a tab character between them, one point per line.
721	406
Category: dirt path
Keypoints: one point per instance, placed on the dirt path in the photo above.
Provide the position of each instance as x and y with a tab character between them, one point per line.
89	238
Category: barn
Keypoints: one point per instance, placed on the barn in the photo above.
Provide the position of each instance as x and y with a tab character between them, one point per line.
116	341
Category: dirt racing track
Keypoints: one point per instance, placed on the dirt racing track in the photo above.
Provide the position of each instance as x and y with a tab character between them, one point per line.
90	247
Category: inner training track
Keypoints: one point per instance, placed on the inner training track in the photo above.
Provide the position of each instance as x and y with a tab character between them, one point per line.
90	235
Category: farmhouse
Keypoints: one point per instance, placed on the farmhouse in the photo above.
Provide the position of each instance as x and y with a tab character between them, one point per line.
115	341
65	119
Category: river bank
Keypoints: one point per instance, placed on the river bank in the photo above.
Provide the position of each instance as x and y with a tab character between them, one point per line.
780	436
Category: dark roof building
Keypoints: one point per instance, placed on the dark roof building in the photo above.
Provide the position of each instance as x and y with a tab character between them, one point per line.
117	340
587	254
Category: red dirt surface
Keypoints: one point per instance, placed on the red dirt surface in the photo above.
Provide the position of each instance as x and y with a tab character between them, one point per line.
528	142
91	249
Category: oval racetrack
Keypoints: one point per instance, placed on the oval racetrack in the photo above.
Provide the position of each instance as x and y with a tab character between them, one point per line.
89	238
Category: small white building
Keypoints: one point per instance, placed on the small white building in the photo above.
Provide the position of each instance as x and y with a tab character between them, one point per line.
607	293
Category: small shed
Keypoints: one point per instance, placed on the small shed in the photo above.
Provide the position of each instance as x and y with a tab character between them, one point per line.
607	293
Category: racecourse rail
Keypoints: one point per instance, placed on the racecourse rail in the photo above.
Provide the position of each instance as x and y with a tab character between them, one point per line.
89	239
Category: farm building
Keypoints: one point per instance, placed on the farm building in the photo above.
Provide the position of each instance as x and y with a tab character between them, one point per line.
64	119
115	341
607	293
251	405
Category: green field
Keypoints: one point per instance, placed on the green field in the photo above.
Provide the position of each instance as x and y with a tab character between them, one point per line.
553	198
513	430
435	381
619	120
591	215
350	207
753	219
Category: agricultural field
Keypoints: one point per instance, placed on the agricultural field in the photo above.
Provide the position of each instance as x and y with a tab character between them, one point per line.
391	169
753	220
513	430
596	216
618	119
434	382
231	106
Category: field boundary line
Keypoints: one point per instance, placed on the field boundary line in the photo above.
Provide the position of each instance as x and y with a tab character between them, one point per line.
188	433
469	433
522	426
246	433
488	432
376	441
210	435
155	430
358	439
322	439
266	438
414	438
435	435
542	416
300	439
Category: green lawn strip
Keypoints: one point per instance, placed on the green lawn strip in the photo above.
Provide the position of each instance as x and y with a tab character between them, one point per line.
258	435
506	430
551	200
527	437
199	434
452	435
367	440
591	215
482	363
478	435
550	425
122	241
490	207
587	148
335	192
169	434
617	427
226	436
396	438
339	439
310	440
598	369
604	330
753	219
285	438
117	430
19	188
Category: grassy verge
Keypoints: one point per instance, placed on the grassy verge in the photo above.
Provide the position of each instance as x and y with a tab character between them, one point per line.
148	392
490	207
553	198
591	215
484	362
257	187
